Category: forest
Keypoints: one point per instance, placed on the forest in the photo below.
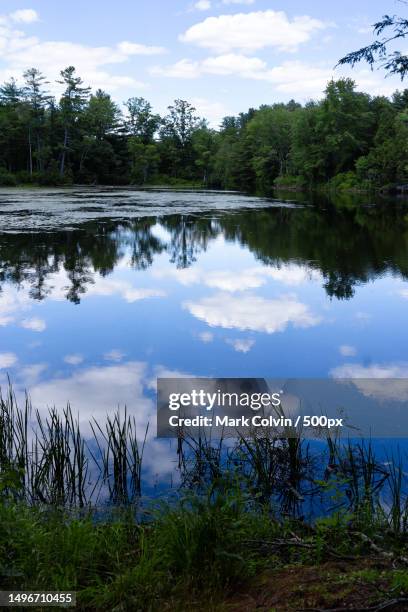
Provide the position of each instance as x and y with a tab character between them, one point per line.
348	140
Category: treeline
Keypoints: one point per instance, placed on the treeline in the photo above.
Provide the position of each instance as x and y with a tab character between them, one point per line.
348	139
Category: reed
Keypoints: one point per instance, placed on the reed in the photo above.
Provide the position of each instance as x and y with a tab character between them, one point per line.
46	460
295	478
240	510
120	457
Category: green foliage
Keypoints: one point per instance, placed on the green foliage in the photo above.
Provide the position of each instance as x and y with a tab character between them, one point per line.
145	159
101	115
347	181
6	178
289	181
329	137
333	531
188	554
11	479
270	132
200	539
378	53
203	149
141	122
196	544
400	581
347	141
235	515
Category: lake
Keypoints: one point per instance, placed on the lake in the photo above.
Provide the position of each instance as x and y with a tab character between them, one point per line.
103	290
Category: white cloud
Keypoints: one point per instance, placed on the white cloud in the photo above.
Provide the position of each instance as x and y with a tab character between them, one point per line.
161	371
7	360
252	31
250	312
229	64
12	302
95	392
232	63
241	345
248	278
374	370
297	77
183	69
238	2
109	287
30	374
114	355
287	78
103	80
5	321
230	281
34	324
404	293
101	286
213	111
347	351
52	56
202	5
372	82
74	359
386	381
206	337
19	52
129	48
288	274
185	276
24	16
367	30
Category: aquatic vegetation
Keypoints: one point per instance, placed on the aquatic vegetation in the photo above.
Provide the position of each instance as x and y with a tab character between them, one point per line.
244	508
48	461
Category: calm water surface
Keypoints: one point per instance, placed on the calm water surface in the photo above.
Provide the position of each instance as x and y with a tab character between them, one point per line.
101	291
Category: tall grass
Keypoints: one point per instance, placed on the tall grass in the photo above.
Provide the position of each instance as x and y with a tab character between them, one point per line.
47	460
243	505
298	479
121	457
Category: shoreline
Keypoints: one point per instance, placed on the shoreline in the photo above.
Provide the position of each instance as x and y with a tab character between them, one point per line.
319	189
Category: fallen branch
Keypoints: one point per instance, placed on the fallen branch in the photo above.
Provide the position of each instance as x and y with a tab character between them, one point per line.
300	544
380	551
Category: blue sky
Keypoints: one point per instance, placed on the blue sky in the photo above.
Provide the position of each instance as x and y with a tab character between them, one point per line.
222	55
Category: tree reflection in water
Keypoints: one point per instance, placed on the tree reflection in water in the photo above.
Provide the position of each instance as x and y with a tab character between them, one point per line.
348	246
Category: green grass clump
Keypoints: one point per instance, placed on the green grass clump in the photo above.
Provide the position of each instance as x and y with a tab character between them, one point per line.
242	510
189	554
196	545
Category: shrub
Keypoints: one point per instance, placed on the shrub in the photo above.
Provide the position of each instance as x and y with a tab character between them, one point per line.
348	181
290	182
7	179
